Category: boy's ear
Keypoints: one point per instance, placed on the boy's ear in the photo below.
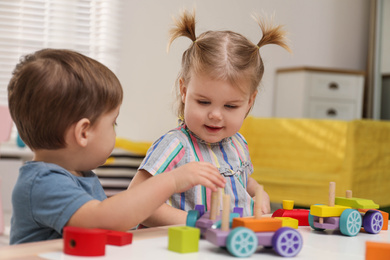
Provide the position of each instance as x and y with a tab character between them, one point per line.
81	131
183	90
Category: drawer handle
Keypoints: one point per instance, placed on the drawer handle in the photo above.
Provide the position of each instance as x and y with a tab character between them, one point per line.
333	86
331	112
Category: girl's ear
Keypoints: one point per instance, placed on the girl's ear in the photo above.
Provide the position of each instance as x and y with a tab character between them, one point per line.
183	90
81	131
252	98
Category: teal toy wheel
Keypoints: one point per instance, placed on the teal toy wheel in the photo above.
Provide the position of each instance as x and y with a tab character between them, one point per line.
241	242
311	223
192	217
350	222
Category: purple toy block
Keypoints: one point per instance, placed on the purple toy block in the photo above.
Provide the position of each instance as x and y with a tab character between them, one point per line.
329	223
205	222
264	238
239	211
200	208
217	236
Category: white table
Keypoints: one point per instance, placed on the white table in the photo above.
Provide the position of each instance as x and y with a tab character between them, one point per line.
153	244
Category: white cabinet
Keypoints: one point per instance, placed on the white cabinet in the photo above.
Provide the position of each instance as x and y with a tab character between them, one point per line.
319	93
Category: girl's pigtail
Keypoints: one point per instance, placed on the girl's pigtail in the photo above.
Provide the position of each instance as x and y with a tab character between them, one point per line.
184	26
272	34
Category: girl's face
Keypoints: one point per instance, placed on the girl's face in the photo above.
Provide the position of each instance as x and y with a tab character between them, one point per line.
214	109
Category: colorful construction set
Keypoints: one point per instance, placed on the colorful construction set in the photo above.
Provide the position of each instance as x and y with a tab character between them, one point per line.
241	236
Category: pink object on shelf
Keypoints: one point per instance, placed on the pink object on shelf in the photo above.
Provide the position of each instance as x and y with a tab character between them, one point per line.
5	124
5	132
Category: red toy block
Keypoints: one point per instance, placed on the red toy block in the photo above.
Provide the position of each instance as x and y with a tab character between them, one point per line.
84	242
302	215
118	238
377	250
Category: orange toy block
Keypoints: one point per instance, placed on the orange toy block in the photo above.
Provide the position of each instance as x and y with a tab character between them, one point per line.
258	225
377	250
385	216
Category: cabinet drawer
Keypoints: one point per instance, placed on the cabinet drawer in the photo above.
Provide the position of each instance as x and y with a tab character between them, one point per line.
335	86
332	110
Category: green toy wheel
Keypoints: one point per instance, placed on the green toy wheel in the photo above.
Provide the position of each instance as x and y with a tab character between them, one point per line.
241	242
350	222
192	217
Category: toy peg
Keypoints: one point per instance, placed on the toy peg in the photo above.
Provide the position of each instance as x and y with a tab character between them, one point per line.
348	194
288	204
258	202
214	205
220	199
225	213
332	191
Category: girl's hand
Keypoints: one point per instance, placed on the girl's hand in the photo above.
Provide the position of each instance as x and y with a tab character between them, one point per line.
195	173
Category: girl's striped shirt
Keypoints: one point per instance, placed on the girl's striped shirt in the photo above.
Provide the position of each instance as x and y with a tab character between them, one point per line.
231	156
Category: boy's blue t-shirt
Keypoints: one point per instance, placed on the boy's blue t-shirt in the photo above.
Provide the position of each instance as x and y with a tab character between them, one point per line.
45	197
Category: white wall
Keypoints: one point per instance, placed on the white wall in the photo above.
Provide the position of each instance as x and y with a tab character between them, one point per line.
385	48
325	33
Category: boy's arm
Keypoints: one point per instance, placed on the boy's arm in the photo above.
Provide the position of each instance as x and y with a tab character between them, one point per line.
251	188
132	206
165	214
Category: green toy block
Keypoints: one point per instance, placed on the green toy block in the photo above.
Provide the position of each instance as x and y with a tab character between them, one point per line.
183	239
356	203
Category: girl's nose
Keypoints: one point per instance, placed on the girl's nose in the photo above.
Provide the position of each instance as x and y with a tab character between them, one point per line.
215	114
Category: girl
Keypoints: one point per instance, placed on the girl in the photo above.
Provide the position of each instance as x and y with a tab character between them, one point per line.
216	89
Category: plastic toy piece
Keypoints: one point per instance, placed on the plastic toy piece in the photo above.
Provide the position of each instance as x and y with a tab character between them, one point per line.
258	225
288	222
343	217
377	250
356	203
350	222
302	215
84	242
385	217
327	211
183	239
118	238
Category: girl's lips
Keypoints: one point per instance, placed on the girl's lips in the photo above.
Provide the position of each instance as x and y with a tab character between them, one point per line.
213	128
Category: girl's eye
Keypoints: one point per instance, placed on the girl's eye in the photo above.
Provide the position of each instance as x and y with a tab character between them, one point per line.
203	102
231	106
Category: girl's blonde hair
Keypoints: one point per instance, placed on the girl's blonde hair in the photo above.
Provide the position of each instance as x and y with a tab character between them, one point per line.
222	55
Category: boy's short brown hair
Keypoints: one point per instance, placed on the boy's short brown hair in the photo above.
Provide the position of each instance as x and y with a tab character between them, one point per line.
52	89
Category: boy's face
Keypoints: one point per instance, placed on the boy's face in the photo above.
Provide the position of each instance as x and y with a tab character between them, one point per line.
214	109
102	139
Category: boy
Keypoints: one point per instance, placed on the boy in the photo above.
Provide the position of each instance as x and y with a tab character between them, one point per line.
65	106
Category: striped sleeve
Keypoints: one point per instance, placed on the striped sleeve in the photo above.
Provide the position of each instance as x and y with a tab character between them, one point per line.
164	155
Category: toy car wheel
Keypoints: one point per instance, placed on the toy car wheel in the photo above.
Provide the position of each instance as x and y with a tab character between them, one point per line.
311	223
192	217
373	221
287	242
241	242
350	222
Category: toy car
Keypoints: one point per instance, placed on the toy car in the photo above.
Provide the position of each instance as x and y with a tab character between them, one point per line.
241	236
344	214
